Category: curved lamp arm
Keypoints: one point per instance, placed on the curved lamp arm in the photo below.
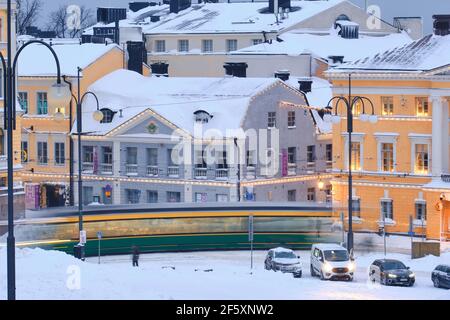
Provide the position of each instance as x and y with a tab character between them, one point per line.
362	99
94	95
339	99
4	88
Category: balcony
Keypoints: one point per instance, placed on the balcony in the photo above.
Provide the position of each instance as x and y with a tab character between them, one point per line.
251	172
131	169
222	174
152	171
106	168
88	167
292	169
200	173
173	171
445	177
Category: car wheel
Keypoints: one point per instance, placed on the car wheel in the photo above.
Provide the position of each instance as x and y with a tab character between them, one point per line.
266	266
411	283
383	281
436	282
313	273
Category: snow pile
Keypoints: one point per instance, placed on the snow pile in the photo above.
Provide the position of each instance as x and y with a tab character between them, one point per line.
199	275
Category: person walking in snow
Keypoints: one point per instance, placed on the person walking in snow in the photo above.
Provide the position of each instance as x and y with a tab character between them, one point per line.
135	256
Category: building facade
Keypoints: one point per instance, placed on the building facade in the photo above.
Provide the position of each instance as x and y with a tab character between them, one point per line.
401	163
179	140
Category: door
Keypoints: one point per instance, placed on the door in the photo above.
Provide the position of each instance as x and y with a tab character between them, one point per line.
316	260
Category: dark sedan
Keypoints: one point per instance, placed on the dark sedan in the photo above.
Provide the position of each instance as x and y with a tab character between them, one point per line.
391	272
441	276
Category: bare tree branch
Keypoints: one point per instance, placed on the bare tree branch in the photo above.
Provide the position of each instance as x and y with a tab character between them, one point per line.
27	14
58	22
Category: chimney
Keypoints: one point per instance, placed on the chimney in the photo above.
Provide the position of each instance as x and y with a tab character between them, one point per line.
178	5
155	18
137	5
336	59
282	74
347	29
136	52
305	84
116	32
284	4
109	15
160	69
236	69
441	24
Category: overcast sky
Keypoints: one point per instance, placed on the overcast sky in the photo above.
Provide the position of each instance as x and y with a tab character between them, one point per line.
389	8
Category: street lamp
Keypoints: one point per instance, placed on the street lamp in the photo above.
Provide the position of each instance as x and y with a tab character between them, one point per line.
59	95
329	117
98	116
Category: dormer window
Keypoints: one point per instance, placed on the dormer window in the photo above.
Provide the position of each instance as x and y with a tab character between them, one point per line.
108	115
201	116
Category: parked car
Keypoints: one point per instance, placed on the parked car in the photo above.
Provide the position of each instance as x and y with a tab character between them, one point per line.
331	261
391	272
284	260
441	276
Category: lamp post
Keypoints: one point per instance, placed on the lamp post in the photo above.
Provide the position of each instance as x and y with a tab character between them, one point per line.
98	116
238	184
349	103
58	94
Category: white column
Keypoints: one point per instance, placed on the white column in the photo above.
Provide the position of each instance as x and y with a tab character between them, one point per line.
116	158
188	192
445	141
116	192
437	147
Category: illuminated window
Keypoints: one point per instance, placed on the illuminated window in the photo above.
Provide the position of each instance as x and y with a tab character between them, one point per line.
356	156
422	106
387	157
421	159
387	106
357	108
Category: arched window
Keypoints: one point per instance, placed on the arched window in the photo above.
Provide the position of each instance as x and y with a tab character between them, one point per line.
202	116
343	17
108	115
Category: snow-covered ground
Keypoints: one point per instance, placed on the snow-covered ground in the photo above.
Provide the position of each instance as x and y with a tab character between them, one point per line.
200	276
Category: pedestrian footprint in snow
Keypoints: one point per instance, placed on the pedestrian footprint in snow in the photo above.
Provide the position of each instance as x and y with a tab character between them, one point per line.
135	256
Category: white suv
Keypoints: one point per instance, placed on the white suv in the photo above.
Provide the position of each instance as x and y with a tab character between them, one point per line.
331	261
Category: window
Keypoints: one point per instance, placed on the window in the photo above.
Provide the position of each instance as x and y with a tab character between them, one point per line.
329	153
356	207
133	195
356	156
251	159
421	159
107	155
231	45
23	100
311	194
152	156
42	152
387	106
173	196
131	155
172	160
221	157
24	151
421	211
207	46
42	105
152	196
108	115
221	198
357	108
271	119
311	154
422	106
59	153
386	209
160	45
88	154
292	160
201	197
200	159
291	119
292	195
183	45
387	157
256	41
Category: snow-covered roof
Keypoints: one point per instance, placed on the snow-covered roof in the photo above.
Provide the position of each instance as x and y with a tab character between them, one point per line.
328	246
37	60
175	99
237	17
425	54
324	46
281	249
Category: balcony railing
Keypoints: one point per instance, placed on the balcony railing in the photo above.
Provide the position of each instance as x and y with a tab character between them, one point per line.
292	169
152	171
221	174
251	172
88	167
200	173
445	177
173	171
106	168
131	169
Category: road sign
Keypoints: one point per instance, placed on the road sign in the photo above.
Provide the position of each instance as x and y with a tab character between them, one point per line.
82	237
99	234
250	228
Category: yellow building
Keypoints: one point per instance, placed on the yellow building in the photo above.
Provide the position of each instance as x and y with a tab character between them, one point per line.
45	143
401	163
